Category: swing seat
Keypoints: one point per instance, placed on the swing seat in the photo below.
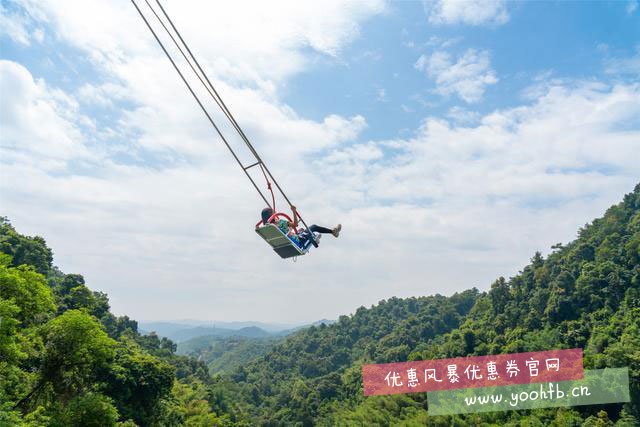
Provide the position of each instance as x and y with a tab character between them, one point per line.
283	245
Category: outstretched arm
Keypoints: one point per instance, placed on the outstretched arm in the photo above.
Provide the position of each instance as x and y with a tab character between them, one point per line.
295	217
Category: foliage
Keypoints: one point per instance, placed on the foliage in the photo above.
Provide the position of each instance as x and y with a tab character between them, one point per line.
87	410
226	354
24	250
27	290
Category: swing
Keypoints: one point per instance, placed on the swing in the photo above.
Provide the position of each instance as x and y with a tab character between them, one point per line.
280	242
283	245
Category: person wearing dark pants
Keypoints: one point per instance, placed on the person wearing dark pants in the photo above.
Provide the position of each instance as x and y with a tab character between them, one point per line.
289	227
324	230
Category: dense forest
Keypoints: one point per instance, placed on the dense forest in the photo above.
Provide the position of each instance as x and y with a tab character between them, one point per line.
226	354
65	360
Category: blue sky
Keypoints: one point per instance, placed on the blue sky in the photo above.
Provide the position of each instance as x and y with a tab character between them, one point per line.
451	139
557	39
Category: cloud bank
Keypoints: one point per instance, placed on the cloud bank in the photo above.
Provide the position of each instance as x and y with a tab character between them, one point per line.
467	76
152	209
470	12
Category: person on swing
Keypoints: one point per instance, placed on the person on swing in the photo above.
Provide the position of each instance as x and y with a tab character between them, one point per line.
288	228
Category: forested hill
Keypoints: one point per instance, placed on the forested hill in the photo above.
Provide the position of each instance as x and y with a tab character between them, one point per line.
65	360
585	294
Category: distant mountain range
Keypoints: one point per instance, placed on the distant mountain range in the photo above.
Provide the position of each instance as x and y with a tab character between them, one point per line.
183	330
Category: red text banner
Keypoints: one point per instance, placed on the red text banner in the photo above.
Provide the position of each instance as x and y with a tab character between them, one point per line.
472	372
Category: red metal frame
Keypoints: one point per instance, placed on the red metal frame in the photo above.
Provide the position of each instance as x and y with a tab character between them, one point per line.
274	217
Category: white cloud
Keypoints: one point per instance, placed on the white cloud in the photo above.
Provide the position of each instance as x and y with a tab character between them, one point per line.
37	123
632	6
559	140
38	35
629	65
467	77
463	116
471	12
250	41
406	109
14	26
103	95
